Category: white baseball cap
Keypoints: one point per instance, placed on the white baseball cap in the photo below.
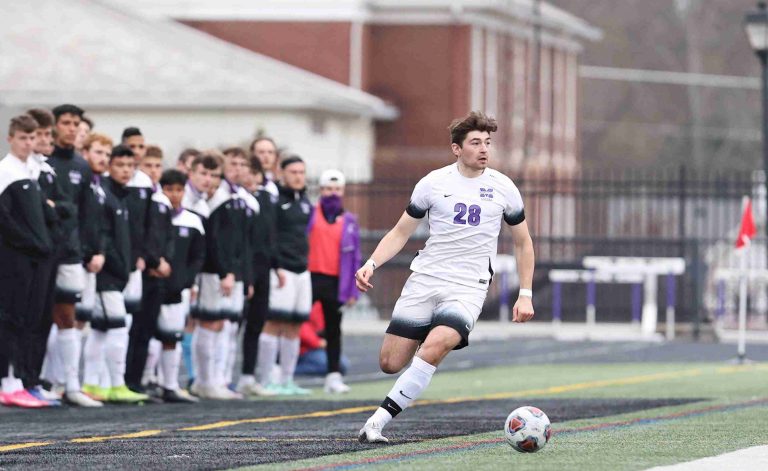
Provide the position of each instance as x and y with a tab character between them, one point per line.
331	177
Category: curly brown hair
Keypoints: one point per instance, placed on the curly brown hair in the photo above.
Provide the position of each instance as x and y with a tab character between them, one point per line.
474	121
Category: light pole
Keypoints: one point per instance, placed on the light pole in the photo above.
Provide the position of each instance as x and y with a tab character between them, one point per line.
756	24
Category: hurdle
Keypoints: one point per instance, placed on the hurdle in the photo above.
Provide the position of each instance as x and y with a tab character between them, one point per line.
650	268
592	278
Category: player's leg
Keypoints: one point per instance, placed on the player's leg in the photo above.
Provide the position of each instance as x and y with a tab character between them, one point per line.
208	326
255	314
396	352
326	290
142	330
289	342
230	308
116	347
70	283
170	326
282	303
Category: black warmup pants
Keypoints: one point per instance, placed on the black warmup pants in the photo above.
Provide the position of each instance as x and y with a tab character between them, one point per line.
143	328
254	316
39	338
325	289
23	281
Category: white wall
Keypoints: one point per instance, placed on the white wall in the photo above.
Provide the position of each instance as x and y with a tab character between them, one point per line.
346	143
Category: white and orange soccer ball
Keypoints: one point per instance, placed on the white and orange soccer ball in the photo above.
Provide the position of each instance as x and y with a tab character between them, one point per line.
527	429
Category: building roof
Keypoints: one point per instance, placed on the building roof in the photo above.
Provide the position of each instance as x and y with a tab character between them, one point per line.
99	55
372	11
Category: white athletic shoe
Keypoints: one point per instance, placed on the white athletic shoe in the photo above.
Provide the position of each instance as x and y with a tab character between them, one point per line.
371	433
335	385
255	389
78	398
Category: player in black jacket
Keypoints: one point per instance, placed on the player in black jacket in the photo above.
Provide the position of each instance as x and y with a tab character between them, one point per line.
109	336
263	248
157	252
25	247
74	178
186	263
222	287
290	297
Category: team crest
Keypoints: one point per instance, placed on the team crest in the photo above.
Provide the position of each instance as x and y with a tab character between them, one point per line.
75	177
486	194
305	207
50	178
183	231
143	193
163	209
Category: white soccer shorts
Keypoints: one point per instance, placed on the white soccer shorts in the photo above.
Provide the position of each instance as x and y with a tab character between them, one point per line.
293	302
84	309
427	302
70	283
109	311
172	319
212	305
133	292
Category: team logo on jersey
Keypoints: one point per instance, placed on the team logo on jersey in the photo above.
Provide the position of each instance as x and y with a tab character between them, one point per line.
143	193
50	178
305	207
163	209
486	194
183	231
75	177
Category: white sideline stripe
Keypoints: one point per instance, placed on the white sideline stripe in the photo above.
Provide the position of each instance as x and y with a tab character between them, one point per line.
748	459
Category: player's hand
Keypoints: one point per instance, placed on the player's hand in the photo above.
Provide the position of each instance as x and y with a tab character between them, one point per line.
249	294
193	293
140	264
281	278
164	268
523	310
351	302
96	264
51	203
362	276
228	284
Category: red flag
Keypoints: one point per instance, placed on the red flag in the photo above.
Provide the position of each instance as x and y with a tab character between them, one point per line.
748	229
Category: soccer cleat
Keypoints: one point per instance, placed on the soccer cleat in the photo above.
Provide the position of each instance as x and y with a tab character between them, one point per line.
292	389
97	393
371	433
39	393
255	389
77	398
22	398
178	396
125	395
334	384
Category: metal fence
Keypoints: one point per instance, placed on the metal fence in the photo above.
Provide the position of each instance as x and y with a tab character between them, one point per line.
686	213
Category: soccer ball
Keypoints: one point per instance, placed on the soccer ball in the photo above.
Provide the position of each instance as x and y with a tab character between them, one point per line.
527	429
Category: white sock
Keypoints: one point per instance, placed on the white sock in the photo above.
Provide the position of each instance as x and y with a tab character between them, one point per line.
104	380
220	355
246	380
93	357
407	389
289	356
52	370
267	357
153	357
193	345
170	360
205	346
229	370
116	350
68	341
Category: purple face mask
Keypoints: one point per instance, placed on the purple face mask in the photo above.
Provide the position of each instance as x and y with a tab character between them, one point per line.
332	206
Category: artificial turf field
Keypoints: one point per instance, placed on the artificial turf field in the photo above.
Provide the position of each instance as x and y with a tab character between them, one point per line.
606	415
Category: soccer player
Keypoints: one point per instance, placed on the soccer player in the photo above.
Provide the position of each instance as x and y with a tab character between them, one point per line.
139	201
158	250
45	336
73	176
25	247
465	204
186	263
290	297
109	335
222	288
334	256
263	249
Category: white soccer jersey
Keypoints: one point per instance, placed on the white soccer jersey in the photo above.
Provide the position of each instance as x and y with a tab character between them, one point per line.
465	217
